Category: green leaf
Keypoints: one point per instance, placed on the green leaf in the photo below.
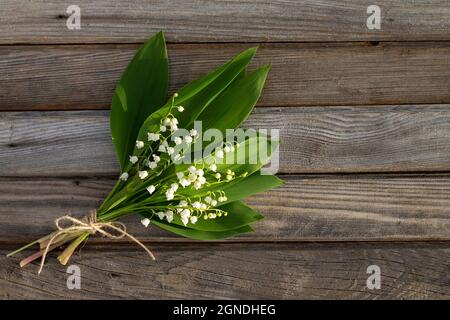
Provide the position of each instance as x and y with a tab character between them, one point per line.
196	103
249	156
140	92
253	184
201	235
254	152
235	104
239	215
245	159
196	96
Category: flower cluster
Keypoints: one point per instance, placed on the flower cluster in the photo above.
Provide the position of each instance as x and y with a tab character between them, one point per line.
168	143
174	194
191	211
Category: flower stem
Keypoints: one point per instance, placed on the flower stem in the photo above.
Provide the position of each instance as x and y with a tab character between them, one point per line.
64	257
23	248
39	254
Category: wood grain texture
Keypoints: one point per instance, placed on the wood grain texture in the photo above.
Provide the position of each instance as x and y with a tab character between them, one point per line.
306	208
83	77
347	101
254	271
313	140
103	21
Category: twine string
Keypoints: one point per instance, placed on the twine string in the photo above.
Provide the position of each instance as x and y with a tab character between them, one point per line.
92	226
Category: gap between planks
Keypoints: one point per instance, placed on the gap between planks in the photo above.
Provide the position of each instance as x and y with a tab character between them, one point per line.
362	42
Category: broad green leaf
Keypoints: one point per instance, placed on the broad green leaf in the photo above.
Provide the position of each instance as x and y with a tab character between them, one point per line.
195	97
249	156
194	87
253	184
140	92
235	104
238	215
201	235
254	152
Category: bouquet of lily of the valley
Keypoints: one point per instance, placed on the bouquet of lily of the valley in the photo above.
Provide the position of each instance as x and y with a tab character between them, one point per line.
185	167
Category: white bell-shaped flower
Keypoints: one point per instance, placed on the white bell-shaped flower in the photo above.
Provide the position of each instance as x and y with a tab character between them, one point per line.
145	222
169	216
170	194
193	219
188	139
153	136
143	174
139	144
151	189
178	140
161	215
156	158
170	150
124	176
133	159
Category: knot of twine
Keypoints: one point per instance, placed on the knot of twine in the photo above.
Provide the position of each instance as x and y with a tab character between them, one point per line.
92	226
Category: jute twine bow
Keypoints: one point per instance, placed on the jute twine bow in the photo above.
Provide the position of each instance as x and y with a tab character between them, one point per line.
92	226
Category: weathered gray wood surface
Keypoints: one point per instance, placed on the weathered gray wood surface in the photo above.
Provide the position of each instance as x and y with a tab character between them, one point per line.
314	140
83	77
44	21
224	271
365	129
306	208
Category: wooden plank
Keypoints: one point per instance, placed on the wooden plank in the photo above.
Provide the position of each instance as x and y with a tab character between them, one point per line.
253	271
306	208
314	140
83	77
104	21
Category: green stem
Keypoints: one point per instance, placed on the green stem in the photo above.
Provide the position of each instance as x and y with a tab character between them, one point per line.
69	250
39	254
23	248
110	195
